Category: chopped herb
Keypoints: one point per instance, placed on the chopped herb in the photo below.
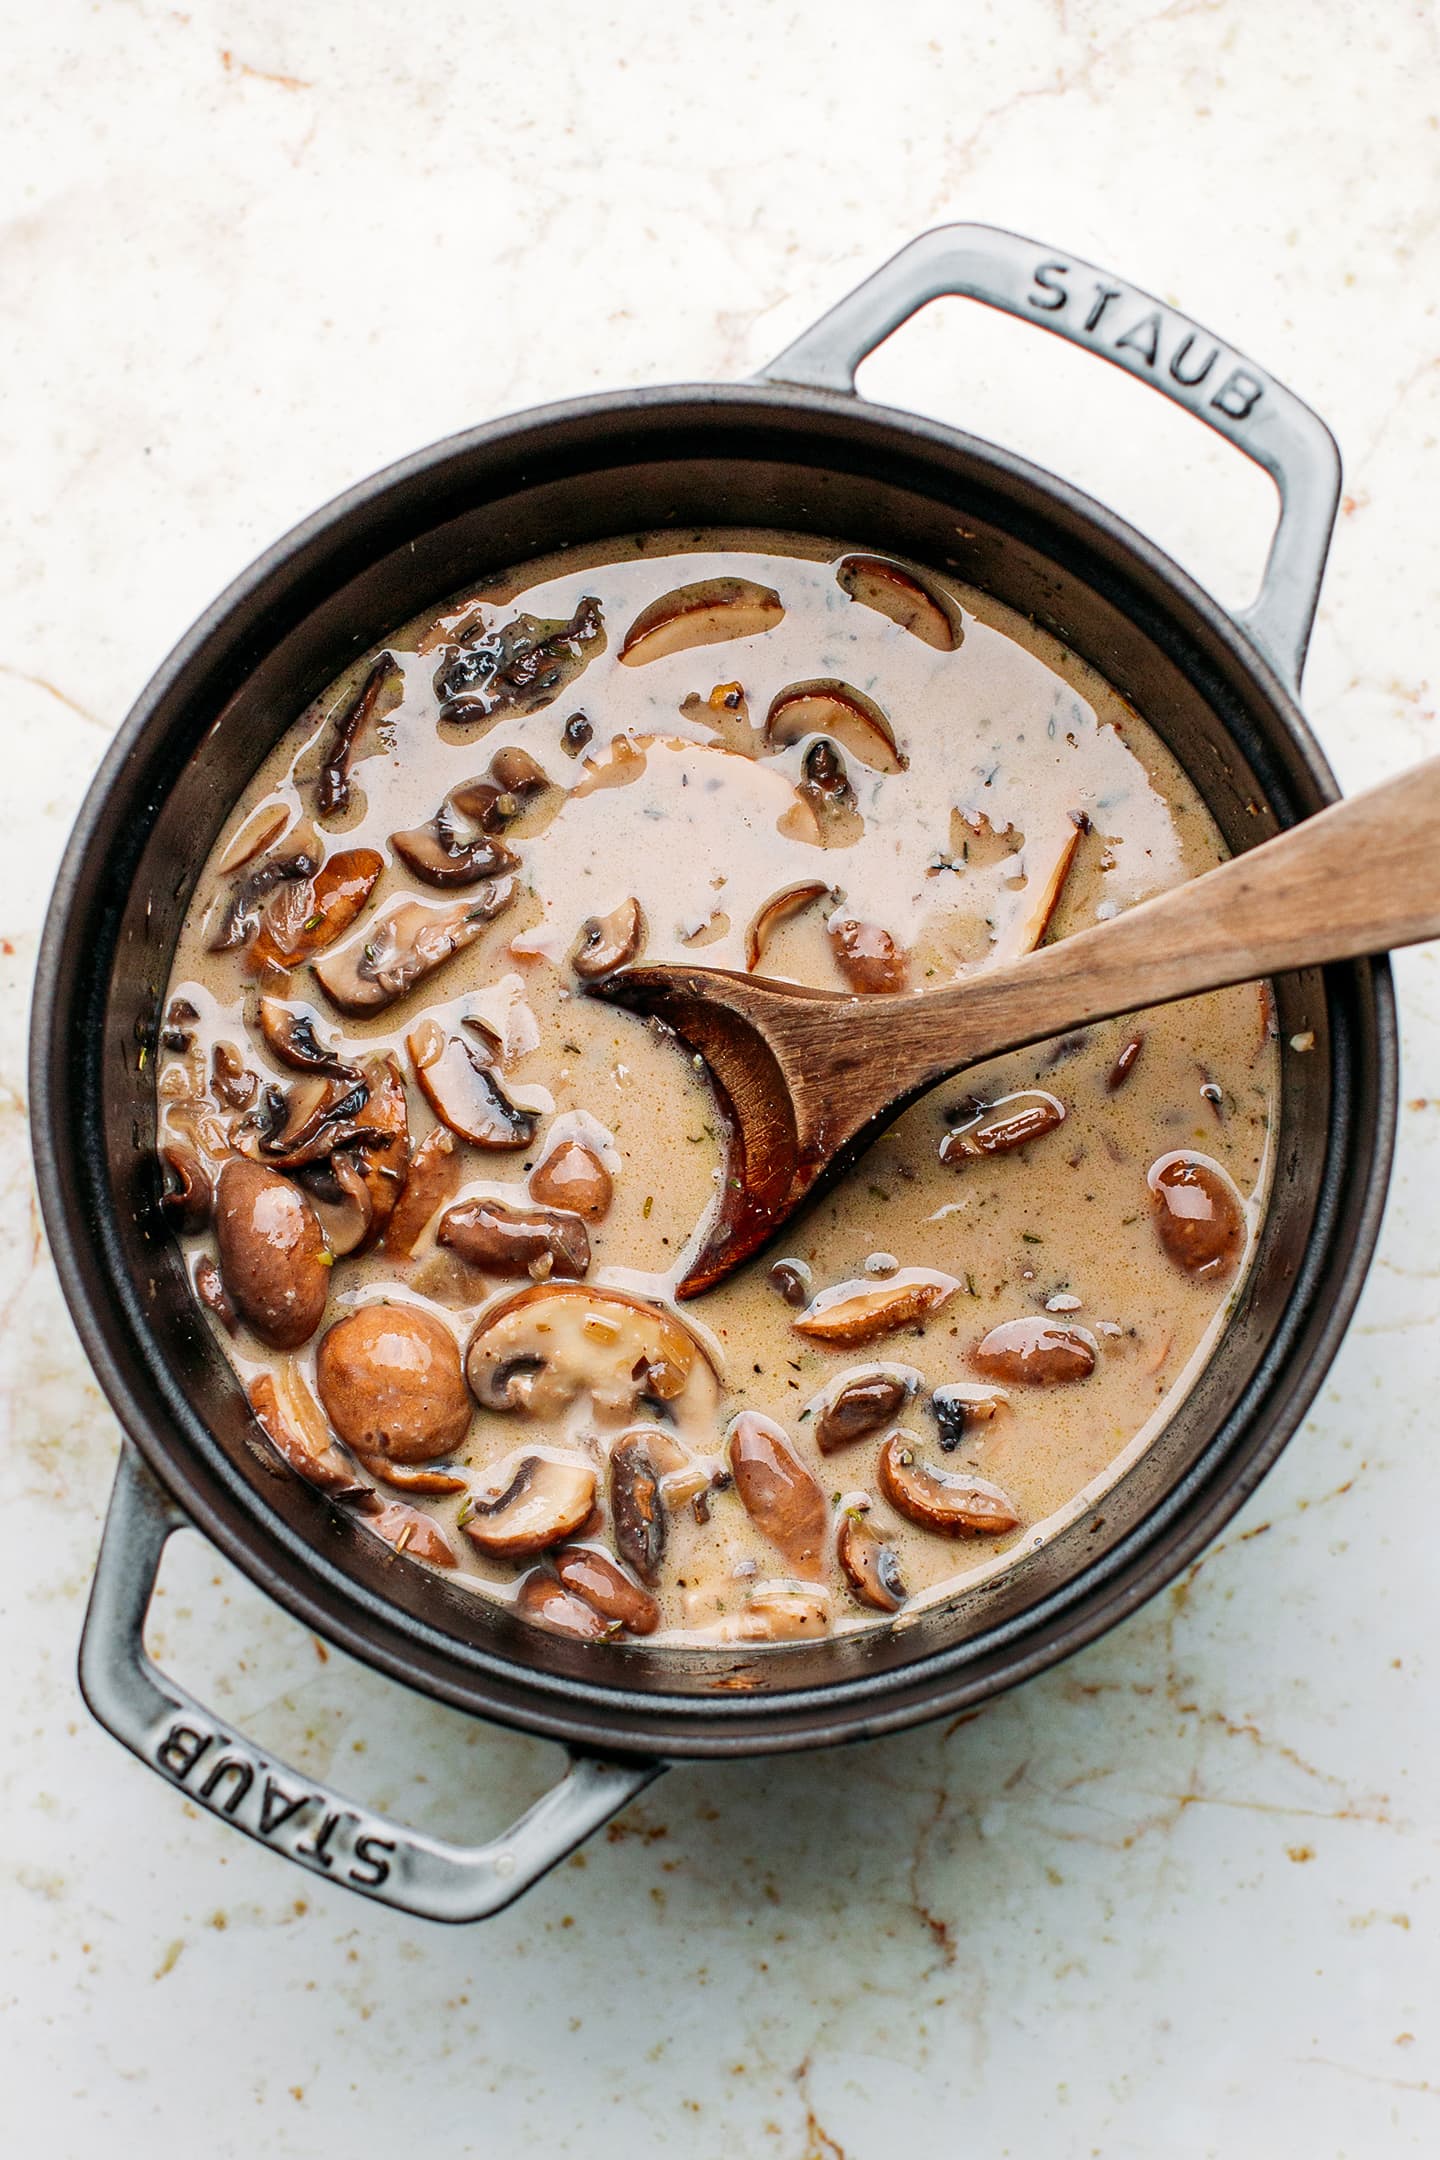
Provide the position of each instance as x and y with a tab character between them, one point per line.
1028	1237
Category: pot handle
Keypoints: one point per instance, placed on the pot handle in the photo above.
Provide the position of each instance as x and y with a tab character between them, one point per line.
306	1821
1132	329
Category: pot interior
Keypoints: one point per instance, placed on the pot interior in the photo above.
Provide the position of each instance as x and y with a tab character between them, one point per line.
668	461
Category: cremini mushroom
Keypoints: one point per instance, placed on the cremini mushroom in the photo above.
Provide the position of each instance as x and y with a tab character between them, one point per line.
291	1034
1036	1351
433	1177
519	666
1199	1216
459	1082
390	1380
321	1112
878	583
332	786
777	1612
572	1176
637	1509
609	941
869	1562
542	1597
507	1240
1128	1058
437	855
239	916
186	1195
544	1502
998	1128
272	1254
857	1311
593	1575
337	1191
260	831
838	710
706	613
405	944
860	1403
515	772
290	1419
777	1492
539	1349
300	920
868	957
409	1531
779	908
954	1503
959	1406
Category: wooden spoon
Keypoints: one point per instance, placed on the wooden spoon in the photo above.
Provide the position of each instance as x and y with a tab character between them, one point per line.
808	1078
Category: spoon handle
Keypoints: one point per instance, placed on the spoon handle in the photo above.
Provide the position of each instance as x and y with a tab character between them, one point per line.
1360	877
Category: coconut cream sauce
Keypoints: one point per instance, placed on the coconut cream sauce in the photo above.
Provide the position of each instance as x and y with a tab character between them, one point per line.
678	802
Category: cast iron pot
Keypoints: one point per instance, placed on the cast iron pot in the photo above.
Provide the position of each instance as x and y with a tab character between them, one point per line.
793	449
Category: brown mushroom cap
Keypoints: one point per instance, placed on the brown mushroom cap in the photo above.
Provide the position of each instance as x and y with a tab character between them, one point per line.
836	709
856	1312
869	1563
545	1502
778	1493
998	1128
272	1254
860	1403
506	1240
572	1176
390	1379
539	1349
706	613
1199	1216
954	1503
1036	1351
609	941
459	1082
878	583
519	666
593	1575
408	942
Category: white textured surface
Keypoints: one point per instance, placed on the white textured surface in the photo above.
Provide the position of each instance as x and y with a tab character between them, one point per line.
1180	1896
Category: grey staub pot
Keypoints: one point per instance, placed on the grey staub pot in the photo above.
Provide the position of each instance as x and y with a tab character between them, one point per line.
795	448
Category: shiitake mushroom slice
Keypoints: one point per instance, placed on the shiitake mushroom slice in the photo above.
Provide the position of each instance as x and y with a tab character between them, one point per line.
291	1033
637	1509
706	613
432	1178
301	920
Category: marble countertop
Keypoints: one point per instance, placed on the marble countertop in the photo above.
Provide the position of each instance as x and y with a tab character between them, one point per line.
1179	1896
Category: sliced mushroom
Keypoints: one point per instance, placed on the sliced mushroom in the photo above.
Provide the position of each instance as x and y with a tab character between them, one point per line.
390	1380
211	1291
577	734
1128	1058
778	1493
432	1178
777	1613
778	909
836	709
291	1036
593	1575
438	856
540	1348
869	1562
868	957
332	788
410	1531
998	1128
542	1598
187	1195
952	1502
960	1406
320	1114
857	1311
1037	1352
516	773
290	1418
461	1087
1199	1216
878	583
301	920
383	1155
1046	869
707	613
507	1240
177	1034
572	1176
272	1253
518	667
240	915
544	1503
259	832
637	1510
824	813
340	1197
609	941
406	944
860	1403
231	1081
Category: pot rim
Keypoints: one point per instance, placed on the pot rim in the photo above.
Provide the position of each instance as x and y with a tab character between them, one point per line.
321	1594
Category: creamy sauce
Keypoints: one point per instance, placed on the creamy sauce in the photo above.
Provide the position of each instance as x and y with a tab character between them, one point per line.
1023	775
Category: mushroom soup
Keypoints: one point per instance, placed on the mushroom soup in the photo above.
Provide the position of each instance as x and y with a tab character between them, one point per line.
436	1199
